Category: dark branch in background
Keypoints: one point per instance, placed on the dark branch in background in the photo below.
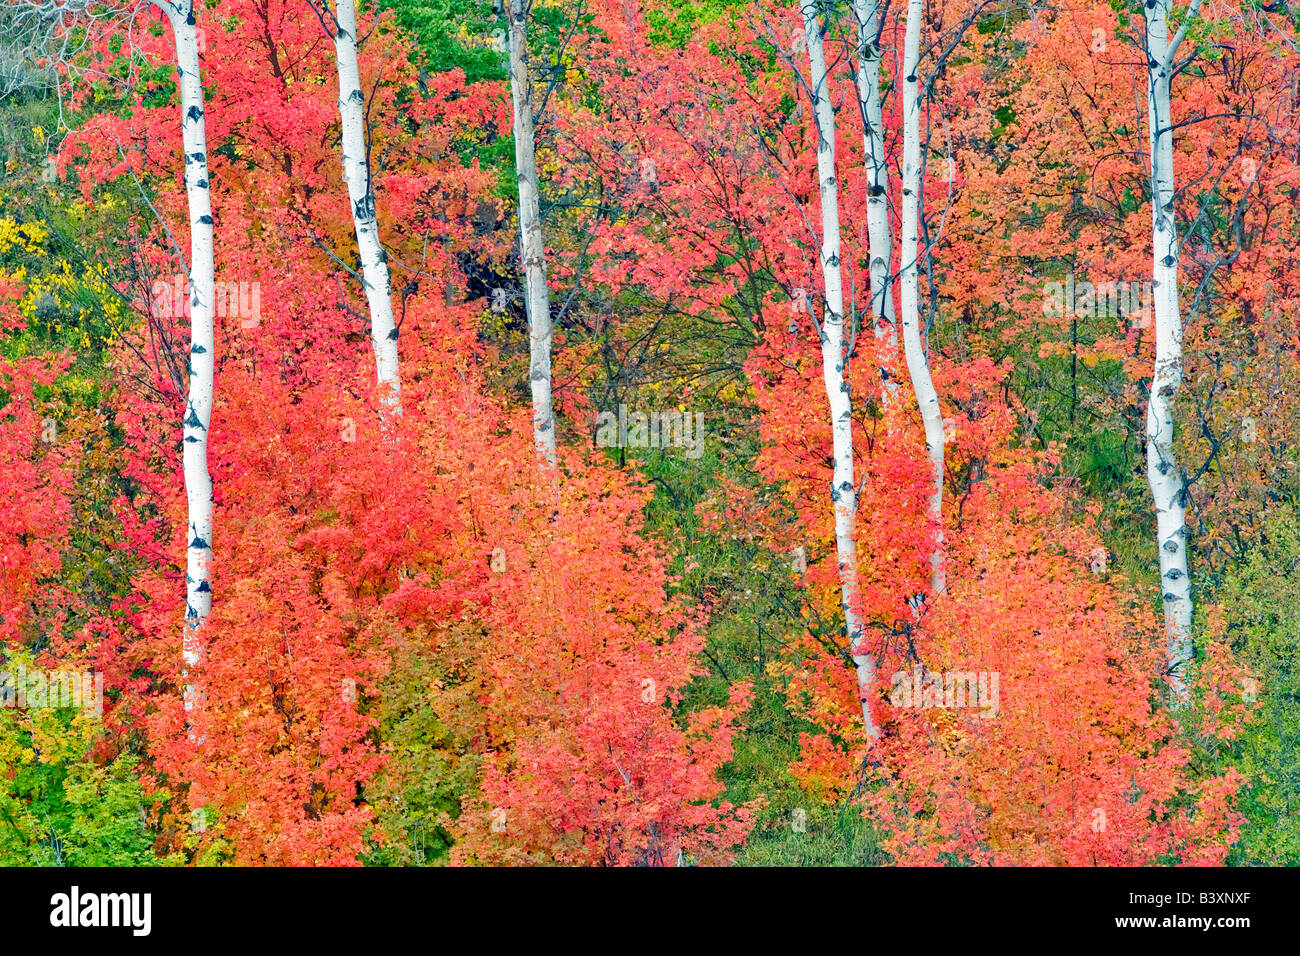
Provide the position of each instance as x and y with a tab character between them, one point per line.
557	68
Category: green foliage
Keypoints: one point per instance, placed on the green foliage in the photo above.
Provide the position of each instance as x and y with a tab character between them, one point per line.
1262	601
419	794
675	27
452	34
61	806
747	631
835	835
47	238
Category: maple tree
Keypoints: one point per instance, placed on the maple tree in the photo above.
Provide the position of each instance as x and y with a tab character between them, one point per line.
935	390
37	478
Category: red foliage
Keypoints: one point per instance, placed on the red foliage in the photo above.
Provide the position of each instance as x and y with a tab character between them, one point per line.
35	483
334	537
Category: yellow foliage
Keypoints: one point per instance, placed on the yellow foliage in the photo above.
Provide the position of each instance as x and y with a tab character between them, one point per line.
27	236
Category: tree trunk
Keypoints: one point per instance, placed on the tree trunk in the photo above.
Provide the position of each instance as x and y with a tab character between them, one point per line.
918	360
879	234
844	496
1163	473
198	404
356	172
532	249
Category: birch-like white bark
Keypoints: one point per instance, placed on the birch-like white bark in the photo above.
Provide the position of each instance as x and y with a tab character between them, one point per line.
198	405
914	345
844	497
879	234
356	173
532	248
1163	473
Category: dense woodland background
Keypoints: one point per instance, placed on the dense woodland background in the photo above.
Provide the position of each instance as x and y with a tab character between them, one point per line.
427	646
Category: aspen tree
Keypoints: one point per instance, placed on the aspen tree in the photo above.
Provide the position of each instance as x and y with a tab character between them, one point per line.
361	195
914	342
532	247
879	231
1163	474
198	402
844	496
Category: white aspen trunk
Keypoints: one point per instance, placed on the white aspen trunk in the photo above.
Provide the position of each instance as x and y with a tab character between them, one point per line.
1163	473
198	405
532	249
918	360
879	234
844	496
356	173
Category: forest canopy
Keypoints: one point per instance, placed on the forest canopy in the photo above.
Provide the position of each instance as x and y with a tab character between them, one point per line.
649	432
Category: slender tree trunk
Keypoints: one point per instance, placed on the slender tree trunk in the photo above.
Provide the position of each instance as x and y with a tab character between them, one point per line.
532	248
844	496
879	234
914	344
198	404
1163	473
356	172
